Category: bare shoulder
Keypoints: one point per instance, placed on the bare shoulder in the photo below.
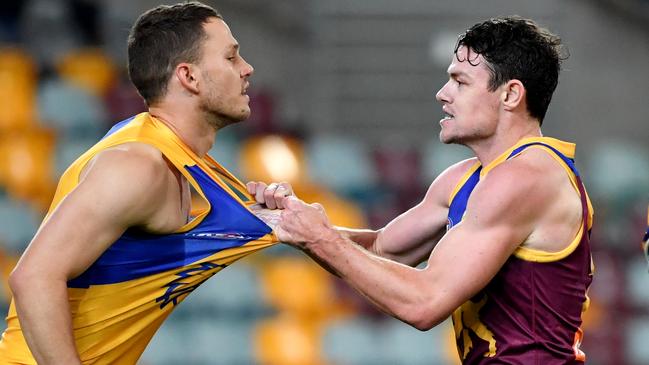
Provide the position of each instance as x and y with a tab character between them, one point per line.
534	169
440	189
131	170
138	160
540	188
518	181
525	191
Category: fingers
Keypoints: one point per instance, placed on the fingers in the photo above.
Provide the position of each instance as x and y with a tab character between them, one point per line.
283	191
302	225
272	195
251	187
256	189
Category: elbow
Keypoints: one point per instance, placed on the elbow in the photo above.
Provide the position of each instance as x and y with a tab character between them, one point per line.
423	325
423	322
17	281
424	316
20	281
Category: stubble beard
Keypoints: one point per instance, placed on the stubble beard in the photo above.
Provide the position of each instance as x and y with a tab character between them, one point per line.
216	112
218	115
461	139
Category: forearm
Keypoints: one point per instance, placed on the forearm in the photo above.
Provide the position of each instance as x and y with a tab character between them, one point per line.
365	238
401	291
44	314
362	237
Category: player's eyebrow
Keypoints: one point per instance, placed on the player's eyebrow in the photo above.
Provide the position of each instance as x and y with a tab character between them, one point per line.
456	74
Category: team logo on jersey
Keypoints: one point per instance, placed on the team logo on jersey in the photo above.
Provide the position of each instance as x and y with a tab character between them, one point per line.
187	280
466	322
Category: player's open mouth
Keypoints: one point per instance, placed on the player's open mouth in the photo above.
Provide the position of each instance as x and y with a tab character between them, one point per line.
447	118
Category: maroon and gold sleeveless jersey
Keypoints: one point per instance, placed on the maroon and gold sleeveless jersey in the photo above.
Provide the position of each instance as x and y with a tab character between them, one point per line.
530	312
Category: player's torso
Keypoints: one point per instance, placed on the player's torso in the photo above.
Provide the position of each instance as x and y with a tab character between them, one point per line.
119	302
530	312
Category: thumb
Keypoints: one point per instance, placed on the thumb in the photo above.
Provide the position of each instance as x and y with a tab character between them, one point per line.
292	202
319	207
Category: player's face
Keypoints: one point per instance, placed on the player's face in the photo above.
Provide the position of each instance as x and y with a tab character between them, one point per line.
470	109
224	75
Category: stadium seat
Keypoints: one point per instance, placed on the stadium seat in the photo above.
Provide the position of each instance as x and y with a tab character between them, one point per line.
123	101
287	340
636	335
89	68
233	293
17	89
437	157
398	167
340	163
18	225
166	347
48	31
68	150
403	344
71	110
276	158
298	286
636	282
621	179
200	340
273	158
26	165
352	342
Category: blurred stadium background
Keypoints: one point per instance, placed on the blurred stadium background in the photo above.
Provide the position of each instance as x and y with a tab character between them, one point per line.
343	96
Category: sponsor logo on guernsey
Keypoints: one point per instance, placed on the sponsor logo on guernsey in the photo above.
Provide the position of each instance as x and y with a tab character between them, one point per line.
222	236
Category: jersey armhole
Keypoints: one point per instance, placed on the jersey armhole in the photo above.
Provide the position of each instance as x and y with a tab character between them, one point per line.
533	255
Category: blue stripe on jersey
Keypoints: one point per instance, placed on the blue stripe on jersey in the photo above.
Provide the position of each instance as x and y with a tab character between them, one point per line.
135	255
569	161
458	205
119	126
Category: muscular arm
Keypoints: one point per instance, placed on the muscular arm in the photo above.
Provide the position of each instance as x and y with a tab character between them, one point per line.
500	215
118	191
410	238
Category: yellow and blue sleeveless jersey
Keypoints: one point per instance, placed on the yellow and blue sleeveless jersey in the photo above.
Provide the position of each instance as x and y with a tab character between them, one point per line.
120	301
530	312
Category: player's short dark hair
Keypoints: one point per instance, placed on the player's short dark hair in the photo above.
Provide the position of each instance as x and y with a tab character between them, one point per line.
517	48
160	39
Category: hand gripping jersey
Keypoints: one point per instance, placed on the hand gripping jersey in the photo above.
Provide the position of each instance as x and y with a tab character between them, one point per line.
120	301
530	312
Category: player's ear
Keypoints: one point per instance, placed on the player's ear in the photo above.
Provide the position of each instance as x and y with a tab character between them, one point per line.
185	73
513	94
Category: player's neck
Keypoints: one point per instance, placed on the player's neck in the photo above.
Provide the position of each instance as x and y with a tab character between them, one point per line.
197	134
489	149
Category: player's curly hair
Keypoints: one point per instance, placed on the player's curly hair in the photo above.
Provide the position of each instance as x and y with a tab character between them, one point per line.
517	48
160	39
